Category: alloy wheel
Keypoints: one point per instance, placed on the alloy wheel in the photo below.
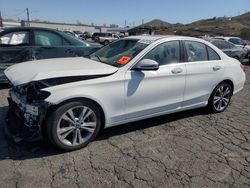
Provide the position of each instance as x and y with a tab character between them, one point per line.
222	97
76	126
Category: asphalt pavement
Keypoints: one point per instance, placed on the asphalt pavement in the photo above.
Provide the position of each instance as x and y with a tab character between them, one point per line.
187	149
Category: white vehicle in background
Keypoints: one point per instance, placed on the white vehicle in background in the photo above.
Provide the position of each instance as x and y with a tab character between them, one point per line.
134	78
108	39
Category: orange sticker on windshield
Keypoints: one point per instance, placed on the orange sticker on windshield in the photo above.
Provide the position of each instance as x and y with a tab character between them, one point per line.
124	60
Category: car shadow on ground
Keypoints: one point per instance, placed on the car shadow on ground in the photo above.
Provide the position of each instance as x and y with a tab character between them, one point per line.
151	122
29	150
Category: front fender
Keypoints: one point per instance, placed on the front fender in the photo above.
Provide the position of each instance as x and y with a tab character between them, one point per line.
109	97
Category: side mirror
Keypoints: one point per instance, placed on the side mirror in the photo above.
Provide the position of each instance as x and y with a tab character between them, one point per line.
146	64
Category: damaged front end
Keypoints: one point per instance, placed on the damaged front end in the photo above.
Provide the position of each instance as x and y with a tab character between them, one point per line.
27	111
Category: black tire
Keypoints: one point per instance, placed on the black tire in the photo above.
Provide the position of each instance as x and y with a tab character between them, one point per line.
106	42
56	114
211	106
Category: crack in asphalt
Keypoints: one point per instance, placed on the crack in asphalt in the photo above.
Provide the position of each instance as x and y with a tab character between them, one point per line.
187	149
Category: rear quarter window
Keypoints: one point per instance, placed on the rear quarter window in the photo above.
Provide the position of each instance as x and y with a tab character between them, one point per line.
212	55
15	38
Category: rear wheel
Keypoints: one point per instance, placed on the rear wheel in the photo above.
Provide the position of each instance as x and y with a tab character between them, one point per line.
221	97
73	125
106	42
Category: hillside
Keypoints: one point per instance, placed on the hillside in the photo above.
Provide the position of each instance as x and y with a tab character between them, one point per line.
156	23
235	26
243	19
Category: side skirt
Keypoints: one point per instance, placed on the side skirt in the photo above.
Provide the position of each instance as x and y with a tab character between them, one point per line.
198	105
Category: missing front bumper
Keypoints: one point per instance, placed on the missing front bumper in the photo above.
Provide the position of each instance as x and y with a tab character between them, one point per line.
21	125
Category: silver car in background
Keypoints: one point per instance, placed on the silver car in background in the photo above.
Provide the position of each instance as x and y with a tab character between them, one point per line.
230	49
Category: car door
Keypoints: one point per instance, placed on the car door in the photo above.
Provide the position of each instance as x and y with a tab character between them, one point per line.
49	44
204	69
14	48
159	91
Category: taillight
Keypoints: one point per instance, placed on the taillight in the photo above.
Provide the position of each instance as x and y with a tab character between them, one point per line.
242	67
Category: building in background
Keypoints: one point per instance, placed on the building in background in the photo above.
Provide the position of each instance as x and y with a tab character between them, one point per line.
63	26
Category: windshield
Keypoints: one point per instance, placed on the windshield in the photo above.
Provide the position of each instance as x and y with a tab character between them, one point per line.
75	41
120	52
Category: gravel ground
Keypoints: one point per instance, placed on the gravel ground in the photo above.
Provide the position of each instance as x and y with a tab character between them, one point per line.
188	149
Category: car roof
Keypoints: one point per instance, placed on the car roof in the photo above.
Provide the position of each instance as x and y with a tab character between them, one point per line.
226	38
218	39
159	37
27	28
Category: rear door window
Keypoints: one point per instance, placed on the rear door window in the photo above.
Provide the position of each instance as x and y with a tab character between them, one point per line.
196	51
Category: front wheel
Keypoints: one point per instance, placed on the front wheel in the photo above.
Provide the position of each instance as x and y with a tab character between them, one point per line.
221	97
73	125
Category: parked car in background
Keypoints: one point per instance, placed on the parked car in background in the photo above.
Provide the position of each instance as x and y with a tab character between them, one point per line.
108	39
247	47
85	36
230	49
21	44
238	42
95	36
130	79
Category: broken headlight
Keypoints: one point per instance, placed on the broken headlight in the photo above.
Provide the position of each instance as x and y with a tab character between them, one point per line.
34	92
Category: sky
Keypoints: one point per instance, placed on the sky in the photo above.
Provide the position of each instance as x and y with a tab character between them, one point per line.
134	12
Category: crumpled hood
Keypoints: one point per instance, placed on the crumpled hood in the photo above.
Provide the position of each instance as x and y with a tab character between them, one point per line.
54	68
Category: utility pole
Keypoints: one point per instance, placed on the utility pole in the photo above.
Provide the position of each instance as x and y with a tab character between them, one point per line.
28	17
1	20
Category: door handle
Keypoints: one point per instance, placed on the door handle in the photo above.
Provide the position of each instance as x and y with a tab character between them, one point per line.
176	71
216	67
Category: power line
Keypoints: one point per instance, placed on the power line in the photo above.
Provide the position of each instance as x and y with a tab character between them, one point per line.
21	12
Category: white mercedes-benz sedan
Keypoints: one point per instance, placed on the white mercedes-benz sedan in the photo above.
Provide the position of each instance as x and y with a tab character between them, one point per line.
72	99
